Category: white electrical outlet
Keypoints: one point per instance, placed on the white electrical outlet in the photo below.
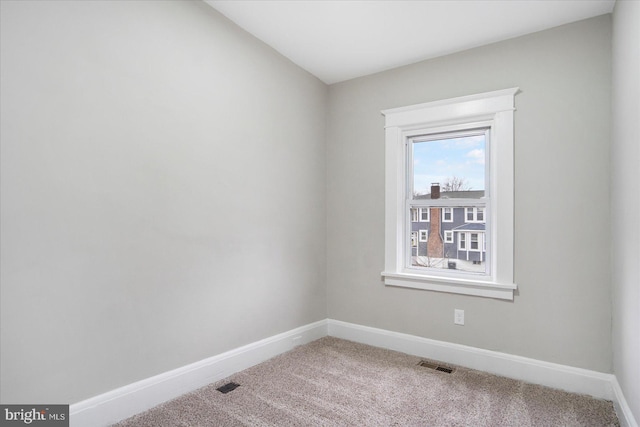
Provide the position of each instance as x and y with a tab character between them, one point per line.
458	317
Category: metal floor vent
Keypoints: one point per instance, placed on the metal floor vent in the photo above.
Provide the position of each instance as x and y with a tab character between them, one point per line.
228	387
435	366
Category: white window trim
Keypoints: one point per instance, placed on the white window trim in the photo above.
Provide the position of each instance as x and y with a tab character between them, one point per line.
414	238
420	210
474	214
426	235
494	107
447	220
448	236
477	241
462	237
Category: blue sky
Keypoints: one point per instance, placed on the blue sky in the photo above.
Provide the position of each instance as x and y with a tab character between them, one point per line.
435	161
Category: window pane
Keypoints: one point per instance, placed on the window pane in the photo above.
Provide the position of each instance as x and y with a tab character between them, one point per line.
474	241
457	164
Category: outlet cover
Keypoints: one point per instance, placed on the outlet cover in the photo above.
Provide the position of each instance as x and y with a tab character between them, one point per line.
458	317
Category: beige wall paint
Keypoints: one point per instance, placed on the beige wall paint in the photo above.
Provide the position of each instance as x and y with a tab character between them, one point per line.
162	193
562	310
625	200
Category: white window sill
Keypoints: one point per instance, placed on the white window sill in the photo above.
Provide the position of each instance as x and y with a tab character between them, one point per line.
451	285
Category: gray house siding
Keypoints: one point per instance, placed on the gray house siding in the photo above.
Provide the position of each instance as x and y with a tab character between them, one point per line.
457	226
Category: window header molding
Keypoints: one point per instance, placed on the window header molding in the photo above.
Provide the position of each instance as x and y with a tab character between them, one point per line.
480	106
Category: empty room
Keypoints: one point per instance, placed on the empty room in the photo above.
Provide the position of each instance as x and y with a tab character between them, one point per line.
227	213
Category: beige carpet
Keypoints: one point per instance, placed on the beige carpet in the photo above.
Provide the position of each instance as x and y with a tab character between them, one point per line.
333	382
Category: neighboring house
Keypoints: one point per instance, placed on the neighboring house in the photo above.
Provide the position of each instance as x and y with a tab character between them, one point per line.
449	233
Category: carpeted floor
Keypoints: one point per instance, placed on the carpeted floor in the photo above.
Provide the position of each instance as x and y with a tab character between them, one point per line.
333	382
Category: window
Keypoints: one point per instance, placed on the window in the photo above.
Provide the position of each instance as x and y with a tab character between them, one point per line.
426	145
423	235
414	239
424	215
414	215
474	214
461	153
474	241
447	214
448	236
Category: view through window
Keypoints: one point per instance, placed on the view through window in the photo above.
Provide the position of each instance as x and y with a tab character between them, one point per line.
448	181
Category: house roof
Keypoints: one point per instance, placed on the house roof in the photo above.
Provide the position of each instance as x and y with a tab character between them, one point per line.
472	226
470	194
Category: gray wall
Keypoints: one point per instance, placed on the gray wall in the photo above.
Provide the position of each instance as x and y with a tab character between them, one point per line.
562	312
625	200
162	193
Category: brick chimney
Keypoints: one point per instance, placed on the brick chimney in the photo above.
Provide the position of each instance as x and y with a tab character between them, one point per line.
435	190
435	246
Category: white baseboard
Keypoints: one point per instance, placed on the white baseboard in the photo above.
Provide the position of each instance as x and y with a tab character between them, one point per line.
116	405
622	408
121	403
563	377
575	380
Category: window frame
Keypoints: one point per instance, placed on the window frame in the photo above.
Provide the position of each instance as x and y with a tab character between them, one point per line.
471	242
414	239
414	201
448	236
443	214
494	110
420	212
474	215
462	241
426	235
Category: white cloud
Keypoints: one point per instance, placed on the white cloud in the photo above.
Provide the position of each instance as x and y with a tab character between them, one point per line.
476	155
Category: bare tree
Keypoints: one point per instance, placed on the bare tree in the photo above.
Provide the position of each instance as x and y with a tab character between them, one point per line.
454	183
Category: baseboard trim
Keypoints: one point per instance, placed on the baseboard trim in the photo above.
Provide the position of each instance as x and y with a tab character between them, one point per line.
625	416
124	402
563	377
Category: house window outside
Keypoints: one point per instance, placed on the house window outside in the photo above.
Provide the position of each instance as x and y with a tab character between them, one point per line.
474	242
417	137
414	239
448	236
424	214
447	214
474	214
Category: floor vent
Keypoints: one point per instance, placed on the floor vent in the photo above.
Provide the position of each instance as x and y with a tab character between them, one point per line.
435	366
228	387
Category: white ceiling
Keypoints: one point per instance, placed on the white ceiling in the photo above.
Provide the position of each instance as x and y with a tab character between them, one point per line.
340	40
